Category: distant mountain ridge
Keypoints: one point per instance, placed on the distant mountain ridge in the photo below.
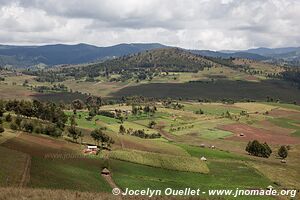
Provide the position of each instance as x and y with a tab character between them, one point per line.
23	56
57	54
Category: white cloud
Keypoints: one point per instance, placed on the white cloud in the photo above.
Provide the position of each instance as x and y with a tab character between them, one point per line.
201	24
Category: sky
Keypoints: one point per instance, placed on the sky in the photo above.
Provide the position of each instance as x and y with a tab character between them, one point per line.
193	24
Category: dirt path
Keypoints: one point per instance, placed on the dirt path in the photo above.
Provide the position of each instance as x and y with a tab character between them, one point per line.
112	184
110	181
165	134
26	173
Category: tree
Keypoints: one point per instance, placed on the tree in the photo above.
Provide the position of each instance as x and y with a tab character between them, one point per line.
73	120
283	152
2	108
99	136
122	129
28	126
1	129
8	118
152	124
257	149
14	126
77	104
18	120
74	133
96	135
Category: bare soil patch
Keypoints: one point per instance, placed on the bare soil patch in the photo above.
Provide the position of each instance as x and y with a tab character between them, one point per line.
253	133
283	113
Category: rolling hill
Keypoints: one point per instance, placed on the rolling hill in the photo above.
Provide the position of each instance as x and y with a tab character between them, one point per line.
24	56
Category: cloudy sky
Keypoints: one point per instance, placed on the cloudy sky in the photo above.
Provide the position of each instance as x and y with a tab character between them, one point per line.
195	24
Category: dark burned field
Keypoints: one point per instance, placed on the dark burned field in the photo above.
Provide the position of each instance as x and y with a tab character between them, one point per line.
216	90
66	97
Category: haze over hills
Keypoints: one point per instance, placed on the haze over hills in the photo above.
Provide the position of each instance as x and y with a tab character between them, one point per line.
27	56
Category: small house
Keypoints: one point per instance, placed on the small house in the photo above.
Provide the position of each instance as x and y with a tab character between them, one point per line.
242	134
202	145
203	158
105	171
283	161
91	150
270	187
213	147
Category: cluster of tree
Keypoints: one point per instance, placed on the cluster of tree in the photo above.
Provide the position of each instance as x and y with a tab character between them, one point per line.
172	129
33	126
140	66
106	113
142	134
174	105
101	138
138	133
45	111
256	148
47	75
137	110
73	132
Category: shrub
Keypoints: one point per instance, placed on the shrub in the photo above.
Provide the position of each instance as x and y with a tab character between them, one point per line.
1	129
52	131
8	118
257	149
283	152
14	126
27	126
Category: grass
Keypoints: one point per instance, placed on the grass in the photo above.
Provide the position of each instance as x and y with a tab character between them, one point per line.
75	174
81	174
287	123
284	105
13	193
12	166
211	108
222	175
211	153
204	128
179	163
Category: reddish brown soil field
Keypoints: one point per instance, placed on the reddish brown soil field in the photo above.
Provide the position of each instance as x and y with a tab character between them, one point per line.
283	113
262	135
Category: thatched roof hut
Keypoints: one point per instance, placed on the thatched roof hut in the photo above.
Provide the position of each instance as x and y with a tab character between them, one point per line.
105	171
203	158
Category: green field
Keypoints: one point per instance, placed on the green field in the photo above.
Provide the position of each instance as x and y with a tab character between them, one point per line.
12	167
180	163
75	174
229	175
288	123
214	154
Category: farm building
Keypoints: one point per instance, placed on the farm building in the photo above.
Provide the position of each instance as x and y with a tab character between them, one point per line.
91	150
105	171
203	158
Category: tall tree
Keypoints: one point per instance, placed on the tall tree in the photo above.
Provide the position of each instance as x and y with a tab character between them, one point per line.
283	152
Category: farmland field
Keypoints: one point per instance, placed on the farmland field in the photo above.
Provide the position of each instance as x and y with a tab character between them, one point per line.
186	131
